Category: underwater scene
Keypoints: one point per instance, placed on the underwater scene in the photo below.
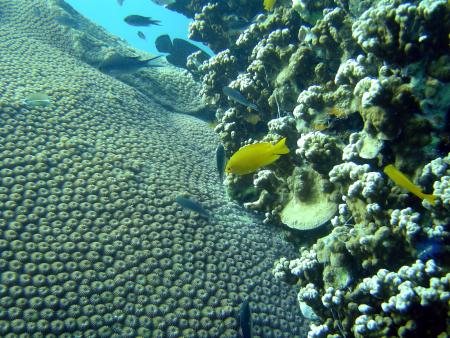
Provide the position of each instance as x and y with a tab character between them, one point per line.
258	168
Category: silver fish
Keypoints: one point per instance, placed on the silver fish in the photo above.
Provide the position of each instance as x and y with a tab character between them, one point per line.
37	100
236	96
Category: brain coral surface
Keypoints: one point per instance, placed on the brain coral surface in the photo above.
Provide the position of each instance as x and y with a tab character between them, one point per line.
92	243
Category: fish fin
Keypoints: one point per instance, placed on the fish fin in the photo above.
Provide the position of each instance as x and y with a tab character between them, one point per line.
280	147
430	198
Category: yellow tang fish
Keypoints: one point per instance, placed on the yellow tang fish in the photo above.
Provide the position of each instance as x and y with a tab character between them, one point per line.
250	158
401	180
268	4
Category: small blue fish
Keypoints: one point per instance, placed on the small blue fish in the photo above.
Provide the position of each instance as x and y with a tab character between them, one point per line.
141	35
236	96
192	205
245	320
430	249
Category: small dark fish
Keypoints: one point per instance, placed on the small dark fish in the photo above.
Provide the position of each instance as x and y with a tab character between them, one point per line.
120	2
236	96
138	20
163	44
245	320
179	50
120	64
141	35
430	249
164	2
192	205
67	21
220	161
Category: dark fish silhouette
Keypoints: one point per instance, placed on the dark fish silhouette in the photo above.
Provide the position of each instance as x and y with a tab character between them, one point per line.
141	35
163	44
431	249
138	20
120	64
236	96
245	320
220	161
68	8
68	21
120	2
187	203
178	50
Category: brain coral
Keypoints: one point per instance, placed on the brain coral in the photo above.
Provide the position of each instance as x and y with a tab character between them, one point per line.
91	241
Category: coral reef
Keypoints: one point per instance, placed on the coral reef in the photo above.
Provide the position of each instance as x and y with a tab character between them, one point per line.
353	86
92	241
93	45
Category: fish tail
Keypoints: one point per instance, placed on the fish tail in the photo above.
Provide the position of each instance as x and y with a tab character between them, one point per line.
430	198
153	58
280	147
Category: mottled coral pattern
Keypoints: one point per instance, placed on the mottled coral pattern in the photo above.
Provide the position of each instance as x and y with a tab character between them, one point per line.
92	242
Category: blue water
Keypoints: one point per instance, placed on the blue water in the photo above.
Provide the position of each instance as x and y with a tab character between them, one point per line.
110	15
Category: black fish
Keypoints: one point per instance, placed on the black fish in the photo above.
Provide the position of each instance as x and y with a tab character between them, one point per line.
138	20
236	96
179	50
126	64
187	203
141	35
245	320
163	44
220	161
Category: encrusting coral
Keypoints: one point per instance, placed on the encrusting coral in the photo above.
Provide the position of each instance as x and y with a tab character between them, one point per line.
92	241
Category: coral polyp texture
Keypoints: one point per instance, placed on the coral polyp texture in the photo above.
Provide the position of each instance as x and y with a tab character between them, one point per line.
355	87
92	242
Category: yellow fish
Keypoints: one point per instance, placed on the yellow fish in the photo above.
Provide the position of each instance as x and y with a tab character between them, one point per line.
319	126
250	158
268	4
401	180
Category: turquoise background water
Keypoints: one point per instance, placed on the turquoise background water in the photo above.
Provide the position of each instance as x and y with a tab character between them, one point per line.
110	15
